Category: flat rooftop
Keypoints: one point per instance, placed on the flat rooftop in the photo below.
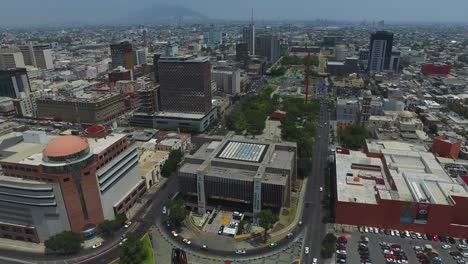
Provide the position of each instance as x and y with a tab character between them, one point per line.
179	115
414	176
31	152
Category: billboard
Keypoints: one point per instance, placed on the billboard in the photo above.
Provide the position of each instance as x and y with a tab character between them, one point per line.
422	213
407	212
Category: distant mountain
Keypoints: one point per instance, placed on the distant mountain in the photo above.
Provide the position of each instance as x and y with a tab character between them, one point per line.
163	14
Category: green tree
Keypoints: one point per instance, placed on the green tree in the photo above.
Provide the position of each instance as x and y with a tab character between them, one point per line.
328	245
64	243
177	212
255	121
133	251
266	220
108	227
353	136
170	165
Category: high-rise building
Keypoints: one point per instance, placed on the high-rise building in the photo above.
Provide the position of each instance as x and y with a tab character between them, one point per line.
185	84
248	36
366	107
172	50
39	56
213	38
52	184
11	58
227	80
140	56
380	51
268	46
242	52
14	83
122	54
156	58
395	61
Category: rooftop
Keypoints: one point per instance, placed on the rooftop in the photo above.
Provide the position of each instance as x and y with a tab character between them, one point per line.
414	176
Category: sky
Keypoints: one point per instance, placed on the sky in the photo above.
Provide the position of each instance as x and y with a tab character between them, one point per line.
93	11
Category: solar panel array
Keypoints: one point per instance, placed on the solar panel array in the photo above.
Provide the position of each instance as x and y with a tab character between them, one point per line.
243	151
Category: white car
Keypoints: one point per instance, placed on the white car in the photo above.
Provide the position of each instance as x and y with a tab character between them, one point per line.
461	246
392	232
306	250
341	252
314	260
376	230
445	246
465	254
240	251
127	223
371	230
366	229
164	210
321	189
386	251
174	233
98	244
418	235
397	233
123	241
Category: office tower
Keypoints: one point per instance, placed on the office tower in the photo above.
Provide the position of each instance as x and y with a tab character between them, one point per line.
248	36
39	56
52	184
395	61
268	46
122	54
172	50
380	51
145	37
227	80
213	38
14	83
11	58
341	52
156	58
242	52
185	84
140	56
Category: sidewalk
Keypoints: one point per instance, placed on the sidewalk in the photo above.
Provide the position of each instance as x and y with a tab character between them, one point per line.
278	235
21	245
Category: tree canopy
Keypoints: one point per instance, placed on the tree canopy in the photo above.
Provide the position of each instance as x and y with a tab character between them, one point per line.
295	60
177	212
133	251
328	245
266	219
353	136
64	243
170	165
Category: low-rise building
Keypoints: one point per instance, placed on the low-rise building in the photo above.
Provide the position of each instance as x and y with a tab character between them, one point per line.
89	108
395	185
249	173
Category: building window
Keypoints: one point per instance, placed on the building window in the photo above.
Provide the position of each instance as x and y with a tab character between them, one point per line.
66	179
29	231
17	230
5	228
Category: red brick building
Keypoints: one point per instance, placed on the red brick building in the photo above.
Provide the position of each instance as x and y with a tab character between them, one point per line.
393	185
436	69
446	148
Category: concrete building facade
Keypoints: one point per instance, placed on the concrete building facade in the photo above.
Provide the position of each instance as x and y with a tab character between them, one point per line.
66	183
249	173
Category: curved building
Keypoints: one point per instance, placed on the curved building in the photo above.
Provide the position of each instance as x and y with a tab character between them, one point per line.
52	184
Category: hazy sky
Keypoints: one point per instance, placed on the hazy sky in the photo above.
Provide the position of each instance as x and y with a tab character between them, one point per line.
46	11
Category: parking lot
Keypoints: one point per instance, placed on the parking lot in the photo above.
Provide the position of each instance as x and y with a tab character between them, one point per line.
376	255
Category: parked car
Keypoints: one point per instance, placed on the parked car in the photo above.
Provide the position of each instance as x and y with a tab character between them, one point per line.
174	233
97	244
240	251
127	223
220	230
186	241
446	246
164	210
306	250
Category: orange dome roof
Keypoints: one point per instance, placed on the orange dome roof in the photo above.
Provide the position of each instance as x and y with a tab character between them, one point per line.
64	146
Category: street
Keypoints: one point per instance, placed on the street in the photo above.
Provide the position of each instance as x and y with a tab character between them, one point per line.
312	214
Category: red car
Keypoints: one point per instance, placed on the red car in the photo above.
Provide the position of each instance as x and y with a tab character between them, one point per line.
389	256
395	246
340	248
420	256
435	237
342	239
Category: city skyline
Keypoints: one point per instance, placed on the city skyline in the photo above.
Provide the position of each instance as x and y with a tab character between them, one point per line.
122	11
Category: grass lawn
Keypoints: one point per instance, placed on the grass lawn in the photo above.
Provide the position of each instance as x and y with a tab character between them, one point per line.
149	248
